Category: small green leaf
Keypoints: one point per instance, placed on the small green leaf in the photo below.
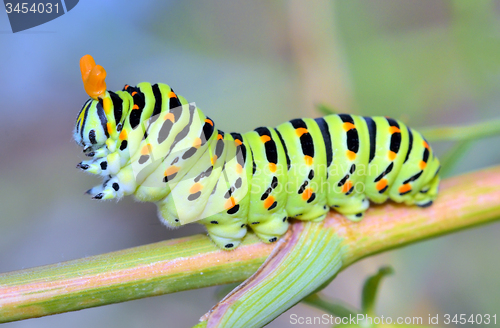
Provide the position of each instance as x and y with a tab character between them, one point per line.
334	307
326	110
370	290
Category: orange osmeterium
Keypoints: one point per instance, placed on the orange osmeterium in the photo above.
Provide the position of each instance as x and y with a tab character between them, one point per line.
93	77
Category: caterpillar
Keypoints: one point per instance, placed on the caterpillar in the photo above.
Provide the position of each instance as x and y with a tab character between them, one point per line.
149	142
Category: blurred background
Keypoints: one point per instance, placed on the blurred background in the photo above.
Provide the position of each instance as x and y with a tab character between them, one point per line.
245	64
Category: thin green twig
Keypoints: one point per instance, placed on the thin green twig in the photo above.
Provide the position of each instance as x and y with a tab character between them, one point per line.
445	133
326	110
452	157
466	132
333	307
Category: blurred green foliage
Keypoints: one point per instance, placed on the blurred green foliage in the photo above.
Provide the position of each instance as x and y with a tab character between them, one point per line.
423	59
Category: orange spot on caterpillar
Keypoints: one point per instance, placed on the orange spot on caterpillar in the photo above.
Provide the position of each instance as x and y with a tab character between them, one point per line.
348	126
308	159
347	186
391	155
171	94
134	93
422	165
381	184
404	188
213	159
238	142
109	127
265	138
426	145
209	121
123	135
195	188
220	137
107	104
269	201
146	149
307	194
301	131
350	155
394	129
197	143
239	168
169	116
171	170
230	203
272	167
135	106
126	86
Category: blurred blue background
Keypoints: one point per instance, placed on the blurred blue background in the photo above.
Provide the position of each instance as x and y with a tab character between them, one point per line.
245	64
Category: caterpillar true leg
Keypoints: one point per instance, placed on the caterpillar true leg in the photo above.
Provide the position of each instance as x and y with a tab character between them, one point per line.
94	167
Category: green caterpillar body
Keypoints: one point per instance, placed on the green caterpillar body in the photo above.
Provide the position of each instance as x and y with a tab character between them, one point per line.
150	142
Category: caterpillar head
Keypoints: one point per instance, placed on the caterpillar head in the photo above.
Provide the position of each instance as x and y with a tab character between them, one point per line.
91	126
91	130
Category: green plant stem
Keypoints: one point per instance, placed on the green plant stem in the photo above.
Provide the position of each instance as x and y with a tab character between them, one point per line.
334	307
303	259
445	133
194	262
466	132
450	159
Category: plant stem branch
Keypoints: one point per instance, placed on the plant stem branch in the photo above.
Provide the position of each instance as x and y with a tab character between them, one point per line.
333	307
194	262
466	132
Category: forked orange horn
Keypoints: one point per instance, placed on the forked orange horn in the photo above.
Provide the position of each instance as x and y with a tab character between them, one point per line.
93	77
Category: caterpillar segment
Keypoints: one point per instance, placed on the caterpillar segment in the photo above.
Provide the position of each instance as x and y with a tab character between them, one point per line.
306	169
267	216
149	142
225	214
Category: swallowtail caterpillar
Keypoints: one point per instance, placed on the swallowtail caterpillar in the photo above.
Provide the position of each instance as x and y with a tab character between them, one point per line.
150	142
